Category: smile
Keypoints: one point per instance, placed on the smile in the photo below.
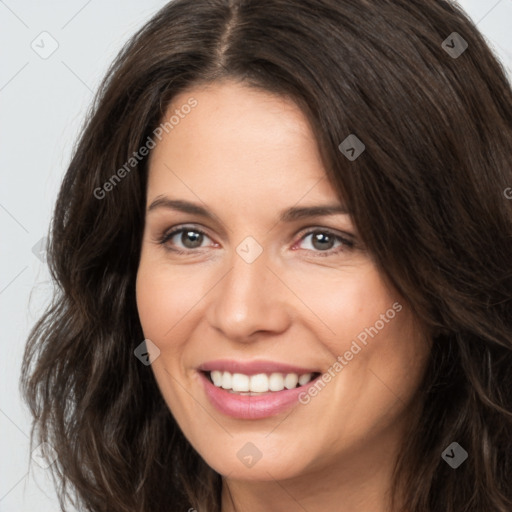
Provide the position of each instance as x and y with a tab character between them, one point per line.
254	390
259	383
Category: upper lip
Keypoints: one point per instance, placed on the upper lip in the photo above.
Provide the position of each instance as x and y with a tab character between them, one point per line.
253	367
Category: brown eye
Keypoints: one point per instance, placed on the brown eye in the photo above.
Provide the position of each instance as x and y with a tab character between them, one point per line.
322	241
325	243
186	238
191	239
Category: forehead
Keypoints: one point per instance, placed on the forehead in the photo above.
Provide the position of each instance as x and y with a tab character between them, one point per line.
238	142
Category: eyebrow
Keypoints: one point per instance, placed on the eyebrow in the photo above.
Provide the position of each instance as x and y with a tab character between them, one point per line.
289	215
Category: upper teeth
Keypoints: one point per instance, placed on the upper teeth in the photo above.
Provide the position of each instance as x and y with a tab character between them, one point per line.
259	383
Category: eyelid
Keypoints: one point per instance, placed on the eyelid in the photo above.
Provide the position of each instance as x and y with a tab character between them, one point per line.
347	241
171	232
349	237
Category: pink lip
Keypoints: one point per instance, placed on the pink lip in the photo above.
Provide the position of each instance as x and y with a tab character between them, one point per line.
252	407
253	367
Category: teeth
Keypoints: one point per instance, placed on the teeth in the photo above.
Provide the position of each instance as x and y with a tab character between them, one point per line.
227	379
259	383
216	377
290	381
276	382
304	379
240	382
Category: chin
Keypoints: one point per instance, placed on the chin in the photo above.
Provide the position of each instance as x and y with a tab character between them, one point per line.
262	467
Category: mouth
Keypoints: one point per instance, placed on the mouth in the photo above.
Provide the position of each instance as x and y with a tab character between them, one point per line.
253	390
259	383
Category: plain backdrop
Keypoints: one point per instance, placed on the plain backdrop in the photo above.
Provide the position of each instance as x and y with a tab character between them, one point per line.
53	56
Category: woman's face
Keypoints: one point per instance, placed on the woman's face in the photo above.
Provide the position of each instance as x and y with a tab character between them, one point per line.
261	292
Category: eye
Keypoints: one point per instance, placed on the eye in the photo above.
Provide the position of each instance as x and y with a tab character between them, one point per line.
190	237
324	241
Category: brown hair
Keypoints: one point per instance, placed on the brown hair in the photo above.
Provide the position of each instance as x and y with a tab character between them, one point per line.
426	196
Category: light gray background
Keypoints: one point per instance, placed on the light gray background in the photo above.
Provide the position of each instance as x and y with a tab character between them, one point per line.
42	105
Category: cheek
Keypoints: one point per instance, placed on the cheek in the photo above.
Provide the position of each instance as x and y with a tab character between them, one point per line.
347	304
155	303
164	297
163	300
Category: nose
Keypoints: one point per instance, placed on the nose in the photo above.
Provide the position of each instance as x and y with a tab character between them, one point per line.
250	300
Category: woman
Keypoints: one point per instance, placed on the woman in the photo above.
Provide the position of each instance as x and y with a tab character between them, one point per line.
282	253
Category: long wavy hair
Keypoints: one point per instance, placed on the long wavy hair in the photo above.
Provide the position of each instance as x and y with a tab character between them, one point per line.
427	197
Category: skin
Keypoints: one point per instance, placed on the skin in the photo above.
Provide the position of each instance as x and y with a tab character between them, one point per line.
246	155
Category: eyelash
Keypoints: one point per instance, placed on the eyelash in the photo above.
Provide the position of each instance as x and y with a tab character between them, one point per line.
345	242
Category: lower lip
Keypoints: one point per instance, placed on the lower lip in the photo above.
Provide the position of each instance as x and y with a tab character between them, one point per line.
253	407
